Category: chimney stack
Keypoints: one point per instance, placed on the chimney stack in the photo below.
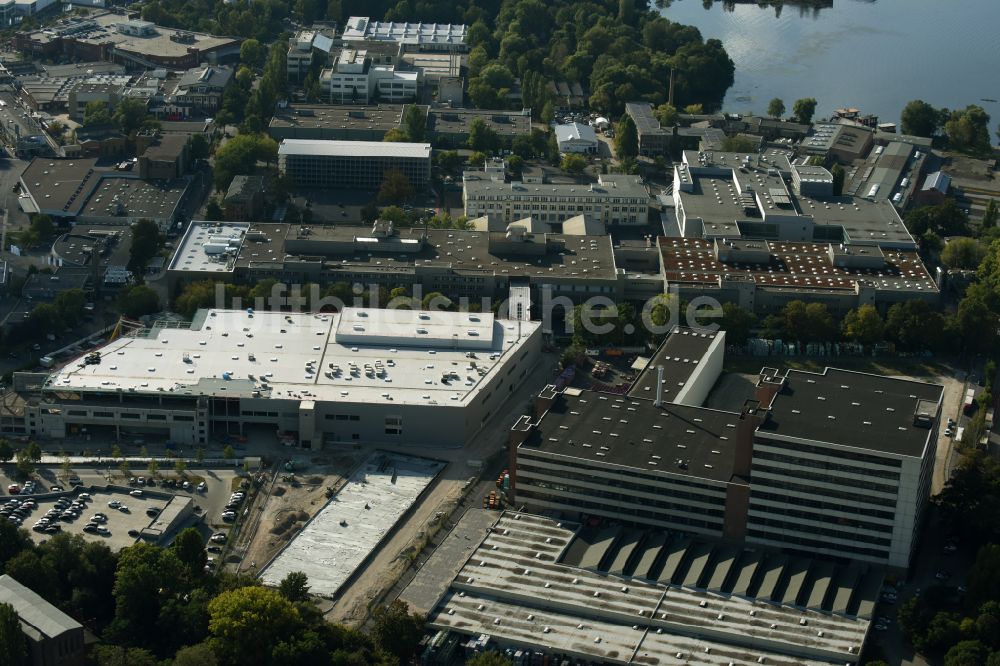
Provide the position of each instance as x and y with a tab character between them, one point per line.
659	386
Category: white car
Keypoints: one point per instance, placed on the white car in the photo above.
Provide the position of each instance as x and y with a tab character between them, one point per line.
202	487
219	537
136	493
114	504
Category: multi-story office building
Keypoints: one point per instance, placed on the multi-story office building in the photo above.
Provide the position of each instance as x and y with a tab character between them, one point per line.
835	463
353	164
353	79
613	199
303	48
842	463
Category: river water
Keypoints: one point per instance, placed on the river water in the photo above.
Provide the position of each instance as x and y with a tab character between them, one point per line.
874	55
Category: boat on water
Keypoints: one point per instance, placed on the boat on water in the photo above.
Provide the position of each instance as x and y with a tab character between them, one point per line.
987	99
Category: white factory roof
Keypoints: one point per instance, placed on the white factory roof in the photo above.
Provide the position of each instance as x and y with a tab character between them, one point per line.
360	355
354	148
575	132
197	250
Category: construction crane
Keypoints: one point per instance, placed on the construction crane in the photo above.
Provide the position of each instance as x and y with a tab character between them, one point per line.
124	326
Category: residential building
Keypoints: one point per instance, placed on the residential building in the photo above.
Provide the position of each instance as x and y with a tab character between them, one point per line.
198	92
432	37
654	141
836	463
353	79
576	138
245	198
613	199
369	375
353	164
54	638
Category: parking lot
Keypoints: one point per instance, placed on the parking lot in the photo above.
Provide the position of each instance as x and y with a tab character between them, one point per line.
107	484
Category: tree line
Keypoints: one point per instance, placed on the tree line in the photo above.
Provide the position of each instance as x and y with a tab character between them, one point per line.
157	606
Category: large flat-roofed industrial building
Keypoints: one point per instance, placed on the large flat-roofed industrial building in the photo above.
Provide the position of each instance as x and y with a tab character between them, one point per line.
763	276
433	37
353	164
835	463
367	375
472	264
610	595
739	195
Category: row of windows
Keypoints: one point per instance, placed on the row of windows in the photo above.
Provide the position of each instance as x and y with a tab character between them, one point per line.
823	464
601	472
839	453
128	415
589	481
841	521
785	498
342	417
818	544
755	521
625	498
832	494
578	504
822	478
266	414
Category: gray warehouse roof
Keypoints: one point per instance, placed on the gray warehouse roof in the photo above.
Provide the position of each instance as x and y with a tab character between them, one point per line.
37	615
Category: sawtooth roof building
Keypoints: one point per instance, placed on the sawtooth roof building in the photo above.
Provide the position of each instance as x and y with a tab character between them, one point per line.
613	595
836	464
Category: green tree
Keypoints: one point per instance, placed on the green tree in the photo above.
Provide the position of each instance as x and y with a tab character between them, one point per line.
247	622
482	137
34	451
153	468
626	139
666	114
946	219
489	659
180	466
739	144
190	551
991	215
839	175
694	109
138	300
963	253
968	130
396	630
920	119
147	241
96	113
6	450
252	53
199	455
804	109
115	655
228	453
214	211
477	159
737	323
395	187
294	586
914	326
415	123
130	114
808	322
548	113
13	643
436	301
776	108
200	147
145	578
864	325
573	163
970	505
199	654
967	653
395	135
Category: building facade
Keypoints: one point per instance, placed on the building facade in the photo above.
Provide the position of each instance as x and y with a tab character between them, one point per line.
353	164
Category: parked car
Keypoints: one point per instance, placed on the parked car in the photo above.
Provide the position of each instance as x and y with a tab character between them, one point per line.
136	493
219	537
